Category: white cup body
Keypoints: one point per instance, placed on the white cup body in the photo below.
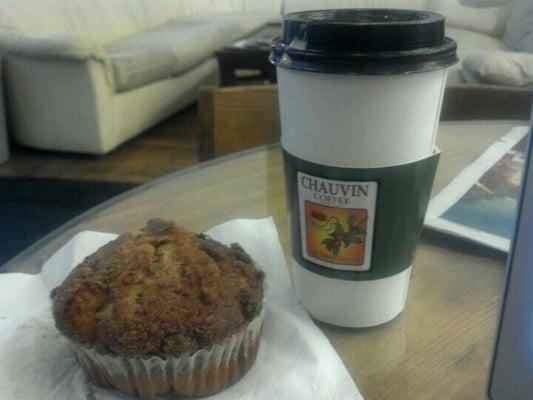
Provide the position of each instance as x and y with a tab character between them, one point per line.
357	121
352	304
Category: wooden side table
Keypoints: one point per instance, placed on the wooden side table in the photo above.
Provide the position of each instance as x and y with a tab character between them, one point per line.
250	55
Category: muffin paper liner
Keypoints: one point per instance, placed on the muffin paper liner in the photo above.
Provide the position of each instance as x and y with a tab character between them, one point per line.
204	372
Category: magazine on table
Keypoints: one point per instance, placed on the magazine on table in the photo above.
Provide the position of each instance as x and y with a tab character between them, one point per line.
480	203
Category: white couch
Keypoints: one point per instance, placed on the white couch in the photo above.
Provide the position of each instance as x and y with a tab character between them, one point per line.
86	75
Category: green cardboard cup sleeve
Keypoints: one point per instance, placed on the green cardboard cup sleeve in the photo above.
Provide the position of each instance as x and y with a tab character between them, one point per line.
354	234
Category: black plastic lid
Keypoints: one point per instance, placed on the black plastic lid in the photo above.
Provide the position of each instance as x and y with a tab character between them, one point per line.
363	41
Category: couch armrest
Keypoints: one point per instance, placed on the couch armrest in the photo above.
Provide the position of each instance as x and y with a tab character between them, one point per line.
49	45
57	104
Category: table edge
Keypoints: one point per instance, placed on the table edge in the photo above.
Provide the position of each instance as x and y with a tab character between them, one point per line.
7	266
40	243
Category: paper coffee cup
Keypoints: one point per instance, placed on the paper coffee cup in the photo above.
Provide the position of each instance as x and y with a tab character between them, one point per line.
360	93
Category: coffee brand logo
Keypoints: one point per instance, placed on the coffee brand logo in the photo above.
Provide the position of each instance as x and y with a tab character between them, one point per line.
337	221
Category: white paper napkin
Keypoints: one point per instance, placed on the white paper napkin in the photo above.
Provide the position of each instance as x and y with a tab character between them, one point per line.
295	359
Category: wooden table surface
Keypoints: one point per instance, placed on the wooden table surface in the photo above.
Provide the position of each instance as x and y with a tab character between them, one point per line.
439	348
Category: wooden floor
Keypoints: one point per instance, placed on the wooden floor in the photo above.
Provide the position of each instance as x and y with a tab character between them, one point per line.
171	145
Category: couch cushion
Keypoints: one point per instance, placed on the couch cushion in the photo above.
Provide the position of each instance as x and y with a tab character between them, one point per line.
96	21
301	5
519	30
174	47
143	58
499	68
487	20
161	11
469	42
103	21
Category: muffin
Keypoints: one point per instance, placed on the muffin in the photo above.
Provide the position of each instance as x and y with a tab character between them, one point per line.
163	311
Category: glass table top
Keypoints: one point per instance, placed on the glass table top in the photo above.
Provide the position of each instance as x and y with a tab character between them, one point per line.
440	347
